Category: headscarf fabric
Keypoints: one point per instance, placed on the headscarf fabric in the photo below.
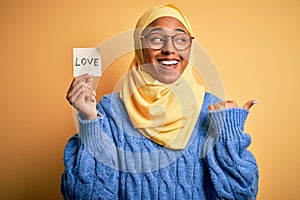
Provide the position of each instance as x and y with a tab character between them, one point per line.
164	113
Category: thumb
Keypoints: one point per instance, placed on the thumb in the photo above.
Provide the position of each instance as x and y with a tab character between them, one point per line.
89	81
249	104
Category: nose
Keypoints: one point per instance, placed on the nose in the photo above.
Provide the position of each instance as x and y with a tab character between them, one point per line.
168	47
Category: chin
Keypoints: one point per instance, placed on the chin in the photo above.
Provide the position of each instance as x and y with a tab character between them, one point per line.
169	79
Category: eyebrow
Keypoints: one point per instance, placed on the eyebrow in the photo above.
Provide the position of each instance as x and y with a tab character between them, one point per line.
180	30
159	29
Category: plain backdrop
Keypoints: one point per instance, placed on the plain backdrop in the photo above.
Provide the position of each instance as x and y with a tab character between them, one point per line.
254	44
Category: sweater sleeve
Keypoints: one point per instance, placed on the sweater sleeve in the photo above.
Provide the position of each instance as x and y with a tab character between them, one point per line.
85	176
232	172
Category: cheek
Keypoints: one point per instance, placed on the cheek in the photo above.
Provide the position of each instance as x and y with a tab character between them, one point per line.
183	66
148	55
186	55
185	59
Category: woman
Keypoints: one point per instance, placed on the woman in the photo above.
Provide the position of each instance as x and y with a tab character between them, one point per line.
162	136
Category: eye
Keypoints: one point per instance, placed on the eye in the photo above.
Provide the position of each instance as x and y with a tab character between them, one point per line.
181	39
156	38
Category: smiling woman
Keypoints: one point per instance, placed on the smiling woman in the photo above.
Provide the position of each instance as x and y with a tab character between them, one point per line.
164	71
162	136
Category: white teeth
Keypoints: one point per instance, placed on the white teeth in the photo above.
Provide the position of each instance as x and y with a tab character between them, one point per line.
169	62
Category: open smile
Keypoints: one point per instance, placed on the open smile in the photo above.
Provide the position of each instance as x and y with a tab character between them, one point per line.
168	64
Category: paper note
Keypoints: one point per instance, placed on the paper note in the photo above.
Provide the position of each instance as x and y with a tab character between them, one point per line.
86	61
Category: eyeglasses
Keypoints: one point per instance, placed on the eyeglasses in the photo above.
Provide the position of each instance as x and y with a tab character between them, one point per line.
157	41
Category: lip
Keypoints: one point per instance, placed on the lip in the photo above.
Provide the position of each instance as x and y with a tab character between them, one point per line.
168	67
167	59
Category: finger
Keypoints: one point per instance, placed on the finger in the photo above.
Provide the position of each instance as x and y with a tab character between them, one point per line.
230	104
222	105
93	99
89	81
83	90
217	106
78	86
78	79
211	107
86	79
81	78
249	104
81	99
89	95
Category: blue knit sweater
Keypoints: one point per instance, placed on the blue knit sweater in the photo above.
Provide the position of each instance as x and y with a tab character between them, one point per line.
109	159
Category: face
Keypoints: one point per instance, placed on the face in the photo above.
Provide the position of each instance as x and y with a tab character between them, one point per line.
167	63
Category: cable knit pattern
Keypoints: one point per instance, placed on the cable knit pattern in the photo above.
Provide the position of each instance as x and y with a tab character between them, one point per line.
109	159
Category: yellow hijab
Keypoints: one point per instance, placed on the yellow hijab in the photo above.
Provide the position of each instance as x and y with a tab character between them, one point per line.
164	113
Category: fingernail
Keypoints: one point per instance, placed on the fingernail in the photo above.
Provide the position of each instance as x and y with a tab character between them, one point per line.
93	99
94	93
255	102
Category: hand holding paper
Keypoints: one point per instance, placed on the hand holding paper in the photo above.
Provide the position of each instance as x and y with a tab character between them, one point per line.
82	96
86	65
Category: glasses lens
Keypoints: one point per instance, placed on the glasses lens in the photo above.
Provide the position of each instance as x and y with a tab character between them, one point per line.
181	42
156	41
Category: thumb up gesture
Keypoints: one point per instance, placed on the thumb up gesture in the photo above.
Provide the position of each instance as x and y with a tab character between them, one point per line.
231	104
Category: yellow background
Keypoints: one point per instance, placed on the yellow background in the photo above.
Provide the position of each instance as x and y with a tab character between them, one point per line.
255	45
